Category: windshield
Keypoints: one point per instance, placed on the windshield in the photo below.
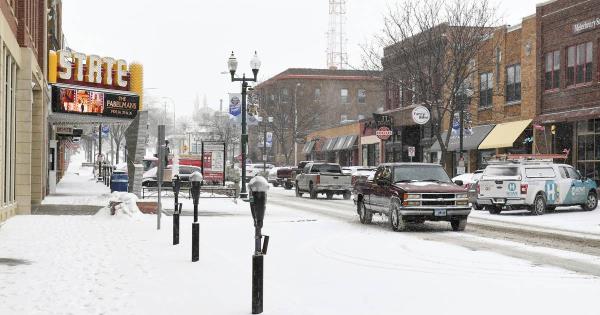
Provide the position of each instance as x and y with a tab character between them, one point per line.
501	171
410	173
326	168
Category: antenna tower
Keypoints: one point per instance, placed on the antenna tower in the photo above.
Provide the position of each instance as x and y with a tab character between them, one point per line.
337	58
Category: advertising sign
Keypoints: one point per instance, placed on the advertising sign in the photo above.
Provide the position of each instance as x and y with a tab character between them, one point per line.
235	104
67	99
213	161
421	115
384	133
383	120
269	139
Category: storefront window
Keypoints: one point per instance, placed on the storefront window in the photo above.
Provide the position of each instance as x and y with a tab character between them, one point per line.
588	148
8	139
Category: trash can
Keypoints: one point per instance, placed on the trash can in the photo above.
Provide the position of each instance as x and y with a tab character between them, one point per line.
119	181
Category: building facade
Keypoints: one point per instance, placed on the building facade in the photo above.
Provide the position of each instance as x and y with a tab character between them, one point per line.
319	99
568	79
23	105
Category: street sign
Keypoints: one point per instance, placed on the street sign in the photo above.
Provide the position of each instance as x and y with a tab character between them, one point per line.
384	133
411	151
421	115
460	170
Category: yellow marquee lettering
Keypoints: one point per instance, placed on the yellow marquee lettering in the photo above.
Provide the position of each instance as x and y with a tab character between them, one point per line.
107	67
64	65
94	67
78	60
121	72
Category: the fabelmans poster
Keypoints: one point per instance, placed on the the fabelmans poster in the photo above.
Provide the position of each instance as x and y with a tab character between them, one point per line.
93	102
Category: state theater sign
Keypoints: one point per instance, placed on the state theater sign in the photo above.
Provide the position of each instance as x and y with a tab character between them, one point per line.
94	85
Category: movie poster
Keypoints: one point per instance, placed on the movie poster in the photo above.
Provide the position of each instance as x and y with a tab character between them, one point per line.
91	102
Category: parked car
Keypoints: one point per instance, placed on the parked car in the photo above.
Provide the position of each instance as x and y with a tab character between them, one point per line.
539	186
323	178
469	181
185	171
285	177
413	192
257	169
272	177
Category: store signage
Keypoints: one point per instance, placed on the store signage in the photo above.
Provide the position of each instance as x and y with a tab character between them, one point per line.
74	68
67	99
421	115
586	25
60	130
213	161
383	133
411	151
383	120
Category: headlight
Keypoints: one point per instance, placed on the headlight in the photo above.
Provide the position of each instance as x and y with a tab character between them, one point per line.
412	196
462	203
461	196
411	203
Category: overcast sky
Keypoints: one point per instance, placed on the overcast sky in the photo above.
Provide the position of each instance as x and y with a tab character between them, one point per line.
184	44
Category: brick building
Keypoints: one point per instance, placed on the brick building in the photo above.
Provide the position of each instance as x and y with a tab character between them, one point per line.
567	77
323	99
23	107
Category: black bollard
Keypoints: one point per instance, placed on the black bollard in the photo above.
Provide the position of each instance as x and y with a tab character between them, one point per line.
258	198
176	209
196	179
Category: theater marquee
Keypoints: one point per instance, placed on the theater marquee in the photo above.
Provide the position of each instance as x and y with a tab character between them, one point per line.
79	100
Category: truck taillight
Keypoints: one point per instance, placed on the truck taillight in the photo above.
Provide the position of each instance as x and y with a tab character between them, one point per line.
524	189
318	179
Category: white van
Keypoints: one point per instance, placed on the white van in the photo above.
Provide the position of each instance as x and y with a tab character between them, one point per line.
535	185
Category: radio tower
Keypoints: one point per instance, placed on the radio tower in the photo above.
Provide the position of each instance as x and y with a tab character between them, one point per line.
337	58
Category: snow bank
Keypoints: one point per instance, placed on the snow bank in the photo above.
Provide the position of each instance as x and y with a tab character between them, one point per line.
124	205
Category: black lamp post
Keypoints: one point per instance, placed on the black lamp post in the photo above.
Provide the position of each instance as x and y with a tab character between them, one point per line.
232	65
464	100
196	179
258	189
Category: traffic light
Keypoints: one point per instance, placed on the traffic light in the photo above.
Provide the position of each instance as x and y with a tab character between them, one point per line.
553	129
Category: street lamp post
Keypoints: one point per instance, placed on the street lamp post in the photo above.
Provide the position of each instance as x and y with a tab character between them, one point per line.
464	100
255	65
296	124
264	155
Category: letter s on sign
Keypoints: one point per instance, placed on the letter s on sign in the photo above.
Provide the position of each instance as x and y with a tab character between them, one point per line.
65	71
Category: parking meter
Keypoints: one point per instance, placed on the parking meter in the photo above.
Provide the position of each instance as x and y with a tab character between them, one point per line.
196	179
258	198
176	209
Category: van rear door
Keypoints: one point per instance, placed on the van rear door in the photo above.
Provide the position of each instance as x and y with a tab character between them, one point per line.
500	182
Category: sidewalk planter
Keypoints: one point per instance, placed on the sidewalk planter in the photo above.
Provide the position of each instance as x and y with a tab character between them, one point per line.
119	181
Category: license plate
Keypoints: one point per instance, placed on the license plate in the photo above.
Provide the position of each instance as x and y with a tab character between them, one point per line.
439	212
500	200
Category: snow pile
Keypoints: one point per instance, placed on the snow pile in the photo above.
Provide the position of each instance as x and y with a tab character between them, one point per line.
121	204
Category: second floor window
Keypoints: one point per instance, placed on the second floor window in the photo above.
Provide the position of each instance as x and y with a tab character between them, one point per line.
579	64
317	94
344	96
361	96
284	95
486	88
513	83
552	77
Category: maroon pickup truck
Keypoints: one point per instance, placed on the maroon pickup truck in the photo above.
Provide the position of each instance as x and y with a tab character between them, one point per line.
412	193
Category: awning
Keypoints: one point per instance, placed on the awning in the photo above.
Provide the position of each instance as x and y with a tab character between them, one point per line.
369	140
329	144
308	147
471	138
340	143
349	143
504	135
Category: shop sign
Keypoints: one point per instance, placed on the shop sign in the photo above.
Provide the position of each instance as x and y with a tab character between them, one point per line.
213	161
411	151
60	130
67	99
421	115
586	25
383	120
78	68
384	133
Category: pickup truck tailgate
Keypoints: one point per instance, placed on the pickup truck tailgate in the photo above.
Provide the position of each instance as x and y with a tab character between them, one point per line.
336	180
507	187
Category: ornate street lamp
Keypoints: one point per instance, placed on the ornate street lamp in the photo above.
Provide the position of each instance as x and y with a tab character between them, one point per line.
255	66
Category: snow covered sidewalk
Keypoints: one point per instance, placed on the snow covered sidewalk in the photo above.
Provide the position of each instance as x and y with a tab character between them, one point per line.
316	265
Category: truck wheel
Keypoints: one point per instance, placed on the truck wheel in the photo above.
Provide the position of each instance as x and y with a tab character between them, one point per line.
591	202
298	193
329	195
396	220
312	191
347	195
458	224
539	205
288	186
365	216
478	206
493	209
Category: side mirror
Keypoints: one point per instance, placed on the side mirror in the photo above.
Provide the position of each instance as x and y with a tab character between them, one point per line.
459	182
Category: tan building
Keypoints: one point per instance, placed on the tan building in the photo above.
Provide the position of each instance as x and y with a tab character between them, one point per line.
23	105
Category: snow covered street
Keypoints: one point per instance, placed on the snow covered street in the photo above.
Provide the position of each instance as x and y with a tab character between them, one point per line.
321	260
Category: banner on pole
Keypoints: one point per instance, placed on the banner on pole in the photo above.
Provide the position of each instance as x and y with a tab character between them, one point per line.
235	104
